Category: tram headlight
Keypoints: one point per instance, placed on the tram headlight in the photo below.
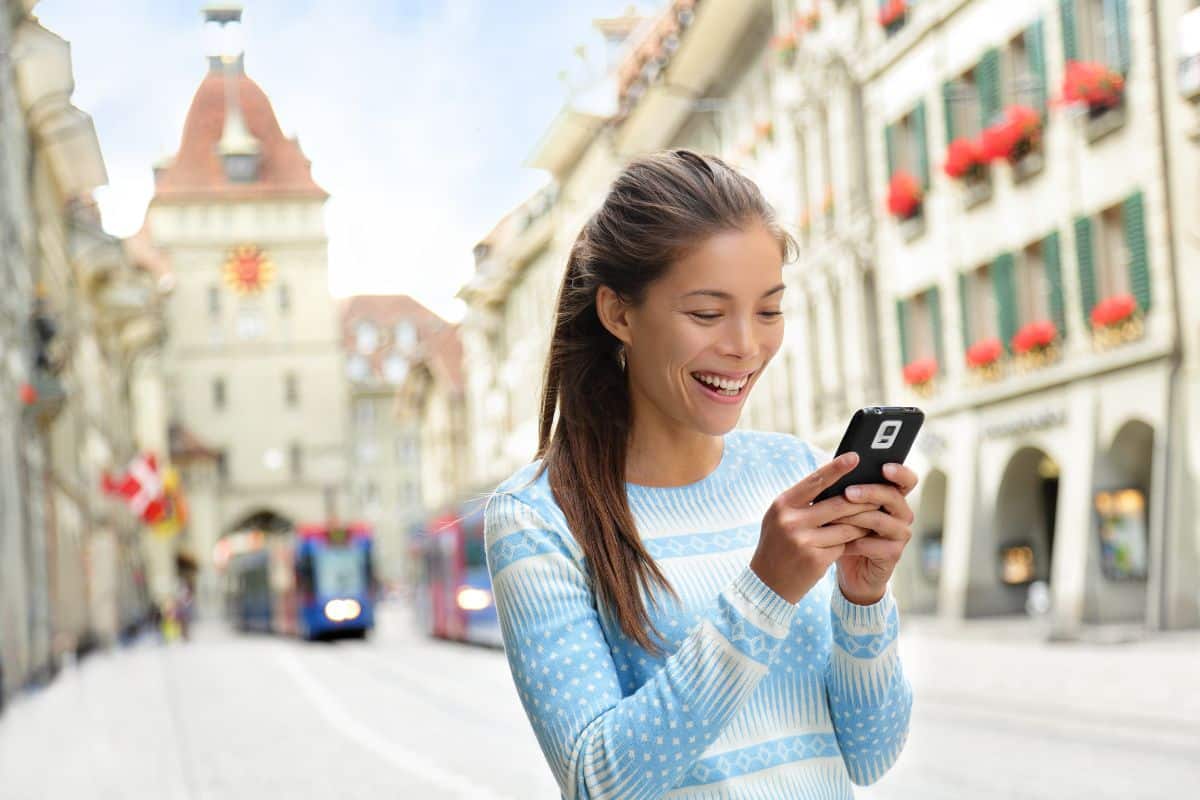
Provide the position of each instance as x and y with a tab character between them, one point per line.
342	610
472	599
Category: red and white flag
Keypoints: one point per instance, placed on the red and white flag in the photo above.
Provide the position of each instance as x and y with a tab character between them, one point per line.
140	486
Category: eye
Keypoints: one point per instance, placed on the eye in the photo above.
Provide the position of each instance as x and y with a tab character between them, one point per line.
698	315
772	313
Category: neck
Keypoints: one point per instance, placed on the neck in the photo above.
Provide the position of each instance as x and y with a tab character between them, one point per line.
660	456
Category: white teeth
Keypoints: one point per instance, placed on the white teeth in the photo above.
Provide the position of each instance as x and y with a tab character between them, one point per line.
722	383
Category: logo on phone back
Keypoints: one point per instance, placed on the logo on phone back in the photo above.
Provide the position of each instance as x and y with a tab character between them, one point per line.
885	437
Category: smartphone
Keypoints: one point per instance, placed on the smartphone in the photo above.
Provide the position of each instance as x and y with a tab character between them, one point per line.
880	435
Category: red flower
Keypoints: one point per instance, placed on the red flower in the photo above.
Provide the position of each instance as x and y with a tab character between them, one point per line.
920	371
784	42
999	141
1092	83
28	394
984	352
961	156
1112	310
891	11
904	195
1036	334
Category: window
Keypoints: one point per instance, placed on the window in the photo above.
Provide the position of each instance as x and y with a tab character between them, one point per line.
981	304
1112	254
366	337
371	497
963	111
395	368
250	323
291	390
919	329
406	335
285	298
223	466
218	394
1024	63
358	368
907	147
214	301
296	460
1033	293
1097	30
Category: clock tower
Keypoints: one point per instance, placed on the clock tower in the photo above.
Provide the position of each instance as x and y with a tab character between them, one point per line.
255	389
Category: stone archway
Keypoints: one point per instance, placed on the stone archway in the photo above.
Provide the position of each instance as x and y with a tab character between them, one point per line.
1017	548
263	519
918	574
1119	528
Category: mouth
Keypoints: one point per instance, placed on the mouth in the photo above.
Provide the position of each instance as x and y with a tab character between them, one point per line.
721	387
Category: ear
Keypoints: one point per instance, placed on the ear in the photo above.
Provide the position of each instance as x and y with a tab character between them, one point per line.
614	313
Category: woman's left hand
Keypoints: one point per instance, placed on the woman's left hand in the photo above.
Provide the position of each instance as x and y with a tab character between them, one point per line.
867	563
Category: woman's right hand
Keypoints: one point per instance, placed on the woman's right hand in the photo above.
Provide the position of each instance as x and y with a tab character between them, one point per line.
796	546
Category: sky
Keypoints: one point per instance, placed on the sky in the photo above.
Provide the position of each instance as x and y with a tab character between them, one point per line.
417	115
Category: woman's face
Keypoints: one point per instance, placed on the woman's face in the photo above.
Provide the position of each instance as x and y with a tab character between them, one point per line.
715	315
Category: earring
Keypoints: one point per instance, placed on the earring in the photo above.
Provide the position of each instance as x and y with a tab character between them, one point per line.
621	356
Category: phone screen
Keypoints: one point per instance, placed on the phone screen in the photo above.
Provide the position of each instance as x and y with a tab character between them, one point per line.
880	435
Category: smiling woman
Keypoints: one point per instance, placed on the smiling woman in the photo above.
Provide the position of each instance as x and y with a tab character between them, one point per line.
664	584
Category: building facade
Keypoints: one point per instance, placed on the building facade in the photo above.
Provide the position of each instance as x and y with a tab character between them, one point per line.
252	354
989	229
383	337
70	557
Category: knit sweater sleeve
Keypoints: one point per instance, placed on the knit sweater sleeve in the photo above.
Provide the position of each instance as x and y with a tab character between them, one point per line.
600	743
870	700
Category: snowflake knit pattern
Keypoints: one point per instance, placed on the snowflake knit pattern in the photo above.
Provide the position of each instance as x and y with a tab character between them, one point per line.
754	698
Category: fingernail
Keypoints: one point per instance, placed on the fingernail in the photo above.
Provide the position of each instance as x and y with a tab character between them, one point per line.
890	470
854	492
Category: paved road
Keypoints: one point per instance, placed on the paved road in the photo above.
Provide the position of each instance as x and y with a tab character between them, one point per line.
230	716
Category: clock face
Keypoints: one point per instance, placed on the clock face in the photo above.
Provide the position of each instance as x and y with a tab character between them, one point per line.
248	270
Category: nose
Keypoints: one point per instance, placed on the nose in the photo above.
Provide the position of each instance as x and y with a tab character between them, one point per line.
738	339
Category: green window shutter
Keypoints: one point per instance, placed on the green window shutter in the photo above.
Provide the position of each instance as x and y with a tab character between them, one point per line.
889	142
1035	47
1070	43
948	109
988	81
934	298
1116	13
1006	297
964	308
1134	214
918	129
902	324
1087	270
1054	285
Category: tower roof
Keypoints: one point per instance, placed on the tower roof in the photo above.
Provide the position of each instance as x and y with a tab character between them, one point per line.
197	173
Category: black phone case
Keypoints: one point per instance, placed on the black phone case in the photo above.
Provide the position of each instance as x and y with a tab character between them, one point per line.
894	426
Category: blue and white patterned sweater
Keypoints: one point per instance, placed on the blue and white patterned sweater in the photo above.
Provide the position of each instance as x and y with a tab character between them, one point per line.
756	697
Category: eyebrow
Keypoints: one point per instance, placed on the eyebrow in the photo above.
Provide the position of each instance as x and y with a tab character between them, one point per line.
727	296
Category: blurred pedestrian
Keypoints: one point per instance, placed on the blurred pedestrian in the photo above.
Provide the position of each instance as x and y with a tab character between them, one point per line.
677	617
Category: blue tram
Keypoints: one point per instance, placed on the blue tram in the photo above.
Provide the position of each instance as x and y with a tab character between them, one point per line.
315	583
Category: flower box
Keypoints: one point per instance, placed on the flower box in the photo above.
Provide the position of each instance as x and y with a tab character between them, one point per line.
1116	320
893	15
905	198
984	360
920	375
1035	335
1102	93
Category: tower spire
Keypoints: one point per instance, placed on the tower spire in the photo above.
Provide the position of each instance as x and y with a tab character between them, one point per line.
238	148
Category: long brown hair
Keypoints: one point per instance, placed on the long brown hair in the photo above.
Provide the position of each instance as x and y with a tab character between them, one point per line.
658	210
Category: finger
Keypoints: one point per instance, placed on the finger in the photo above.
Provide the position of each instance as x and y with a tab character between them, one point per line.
881	495
834	508
904	478
834	535
876	549
881	523
801	494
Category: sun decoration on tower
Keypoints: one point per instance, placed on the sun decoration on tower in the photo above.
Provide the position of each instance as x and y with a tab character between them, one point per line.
248	270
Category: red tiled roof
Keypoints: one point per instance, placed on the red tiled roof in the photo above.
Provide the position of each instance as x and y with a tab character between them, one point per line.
385	310
197	172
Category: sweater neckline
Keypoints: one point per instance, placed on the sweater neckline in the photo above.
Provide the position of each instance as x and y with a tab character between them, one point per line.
641	490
